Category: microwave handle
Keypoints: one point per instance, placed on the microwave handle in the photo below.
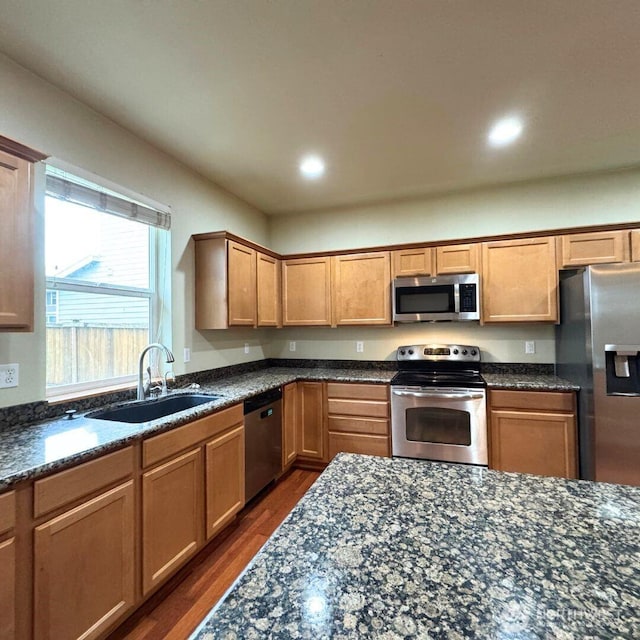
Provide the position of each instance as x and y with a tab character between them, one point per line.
438	394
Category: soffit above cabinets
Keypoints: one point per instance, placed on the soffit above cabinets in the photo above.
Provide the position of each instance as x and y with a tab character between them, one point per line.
397	97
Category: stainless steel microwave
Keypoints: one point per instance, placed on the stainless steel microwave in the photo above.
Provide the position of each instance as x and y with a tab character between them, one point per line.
431	299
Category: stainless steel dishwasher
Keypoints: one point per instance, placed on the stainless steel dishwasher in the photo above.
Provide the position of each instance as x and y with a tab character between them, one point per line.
263	440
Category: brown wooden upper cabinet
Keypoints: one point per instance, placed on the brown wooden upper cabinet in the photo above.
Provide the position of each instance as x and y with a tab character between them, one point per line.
236	284
457	258
413	262
306	291
241	282
635	245
434	261
16	235
269	296
361	285
520	281
581	249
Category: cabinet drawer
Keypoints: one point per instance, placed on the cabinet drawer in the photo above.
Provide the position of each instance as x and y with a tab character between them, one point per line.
67	486
535	400
371	426
7	511
358	391
170	443
358	443
369	408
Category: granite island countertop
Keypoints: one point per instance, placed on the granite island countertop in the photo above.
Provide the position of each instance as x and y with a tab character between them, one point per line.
32	450
382	548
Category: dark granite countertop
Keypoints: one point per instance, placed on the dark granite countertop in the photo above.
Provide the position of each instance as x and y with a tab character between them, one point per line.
524	381
386	549
32	450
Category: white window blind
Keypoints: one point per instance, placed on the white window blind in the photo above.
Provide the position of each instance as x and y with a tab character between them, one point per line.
68	188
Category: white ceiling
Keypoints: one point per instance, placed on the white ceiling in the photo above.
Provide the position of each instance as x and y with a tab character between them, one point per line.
397	95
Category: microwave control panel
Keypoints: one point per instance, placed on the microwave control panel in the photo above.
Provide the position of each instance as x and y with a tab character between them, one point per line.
468	301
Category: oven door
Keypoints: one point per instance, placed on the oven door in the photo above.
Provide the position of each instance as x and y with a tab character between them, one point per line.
447	424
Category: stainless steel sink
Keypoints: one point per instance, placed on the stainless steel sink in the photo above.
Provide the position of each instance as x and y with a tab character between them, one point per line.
153	409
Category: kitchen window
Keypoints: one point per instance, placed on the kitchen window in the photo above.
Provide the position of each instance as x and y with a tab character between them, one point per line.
107	265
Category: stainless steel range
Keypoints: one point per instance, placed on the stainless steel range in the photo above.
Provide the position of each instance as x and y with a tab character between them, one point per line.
439	404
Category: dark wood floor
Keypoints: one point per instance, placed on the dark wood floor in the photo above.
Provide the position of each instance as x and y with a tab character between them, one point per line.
176	610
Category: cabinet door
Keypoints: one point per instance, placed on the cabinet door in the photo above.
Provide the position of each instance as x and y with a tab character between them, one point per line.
172	516
413	262
289	423
520	281
635	245
533	442
580	249
457	258
224	479
241	284
362	289
311	432
8	589
268	278
16	244
211	283
306	291
84	567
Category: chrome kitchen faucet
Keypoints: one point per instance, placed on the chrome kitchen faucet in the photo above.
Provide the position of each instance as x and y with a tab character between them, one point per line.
154	345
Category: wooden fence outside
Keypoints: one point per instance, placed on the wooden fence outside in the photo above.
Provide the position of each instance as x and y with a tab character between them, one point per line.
78	354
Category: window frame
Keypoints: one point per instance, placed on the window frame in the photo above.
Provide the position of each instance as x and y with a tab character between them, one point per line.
159	282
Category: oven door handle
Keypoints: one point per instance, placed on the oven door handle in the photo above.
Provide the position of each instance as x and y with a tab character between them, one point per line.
438	394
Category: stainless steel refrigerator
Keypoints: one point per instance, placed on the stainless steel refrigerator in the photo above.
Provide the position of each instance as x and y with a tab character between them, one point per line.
598	347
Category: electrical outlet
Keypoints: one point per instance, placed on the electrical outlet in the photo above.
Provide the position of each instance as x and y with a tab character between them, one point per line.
529	346
359	347
292	345
9	375
187	354
246	347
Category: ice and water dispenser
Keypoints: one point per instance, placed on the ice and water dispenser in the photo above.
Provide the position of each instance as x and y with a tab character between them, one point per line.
622	365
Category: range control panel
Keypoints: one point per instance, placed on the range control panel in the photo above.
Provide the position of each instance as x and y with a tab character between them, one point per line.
440	352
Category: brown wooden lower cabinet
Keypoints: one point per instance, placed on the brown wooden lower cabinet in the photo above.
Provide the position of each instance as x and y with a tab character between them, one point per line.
84	567
8	589
311	431
358	443
224	479
172	516
533	432
289	423
358	418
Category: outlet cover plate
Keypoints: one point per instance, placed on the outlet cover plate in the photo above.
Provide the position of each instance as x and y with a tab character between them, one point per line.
9	375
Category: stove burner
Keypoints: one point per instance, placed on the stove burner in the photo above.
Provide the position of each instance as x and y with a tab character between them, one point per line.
439	365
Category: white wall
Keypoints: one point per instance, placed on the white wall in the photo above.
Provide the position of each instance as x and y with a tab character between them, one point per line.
497	344
39	115
604	198
551	204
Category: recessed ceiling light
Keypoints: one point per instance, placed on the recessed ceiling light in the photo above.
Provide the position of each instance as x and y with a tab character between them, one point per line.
505	131
312	167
